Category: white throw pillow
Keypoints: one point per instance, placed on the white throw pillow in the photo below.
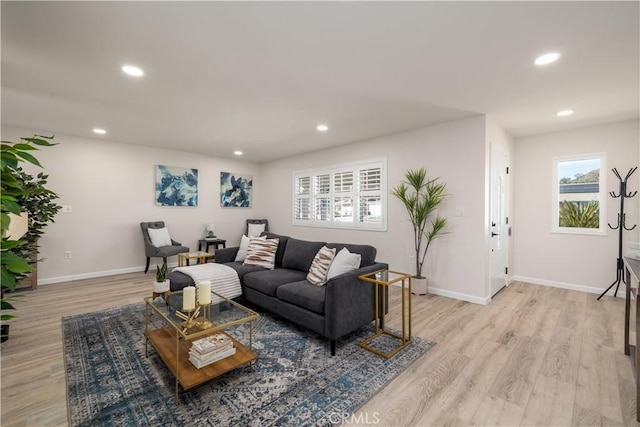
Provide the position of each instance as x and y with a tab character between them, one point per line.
320	266
255	230
262	252
159	237
343	262
242	251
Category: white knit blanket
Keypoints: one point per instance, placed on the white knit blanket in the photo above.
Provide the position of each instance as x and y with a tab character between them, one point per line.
224	280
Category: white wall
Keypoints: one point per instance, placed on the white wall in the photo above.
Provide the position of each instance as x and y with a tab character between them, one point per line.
454	151
580	262
110	187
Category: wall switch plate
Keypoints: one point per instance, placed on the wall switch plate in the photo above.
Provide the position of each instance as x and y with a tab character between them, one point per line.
459	211
66	209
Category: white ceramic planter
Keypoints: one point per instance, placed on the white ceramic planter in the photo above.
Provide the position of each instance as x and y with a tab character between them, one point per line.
419	286
160	287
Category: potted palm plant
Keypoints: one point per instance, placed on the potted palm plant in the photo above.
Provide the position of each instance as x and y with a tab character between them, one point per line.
421	196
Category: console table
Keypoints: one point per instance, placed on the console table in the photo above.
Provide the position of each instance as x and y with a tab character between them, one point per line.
632	269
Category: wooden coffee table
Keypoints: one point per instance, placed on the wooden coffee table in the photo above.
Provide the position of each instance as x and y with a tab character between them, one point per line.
172	341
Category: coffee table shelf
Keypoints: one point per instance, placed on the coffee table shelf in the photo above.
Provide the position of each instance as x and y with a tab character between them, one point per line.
164	341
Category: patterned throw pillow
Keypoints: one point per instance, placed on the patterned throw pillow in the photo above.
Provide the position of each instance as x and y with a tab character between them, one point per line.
320	266
261	252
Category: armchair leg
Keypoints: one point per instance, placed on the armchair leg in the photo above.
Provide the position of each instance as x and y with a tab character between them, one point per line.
147	267
333	347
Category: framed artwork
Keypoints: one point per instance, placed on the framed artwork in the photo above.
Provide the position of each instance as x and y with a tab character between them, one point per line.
176	186
235	190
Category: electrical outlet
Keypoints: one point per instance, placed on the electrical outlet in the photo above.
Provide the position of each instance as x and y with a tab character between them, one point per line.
67	254
66	209
459	211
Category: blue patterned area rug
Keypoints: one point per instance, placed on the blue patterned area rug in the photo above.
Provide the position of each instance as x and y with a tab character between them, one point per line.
295	381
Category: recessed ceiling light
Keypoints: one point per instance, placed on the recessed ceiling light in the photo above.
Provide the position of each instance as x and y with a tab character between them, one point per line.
322	128
99	131
564	113
132	70
547	58
238	153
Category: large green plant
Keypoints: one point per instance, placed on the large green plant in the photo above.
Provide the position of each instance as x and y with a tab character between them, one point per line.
14	262
421	196
39	202
579	214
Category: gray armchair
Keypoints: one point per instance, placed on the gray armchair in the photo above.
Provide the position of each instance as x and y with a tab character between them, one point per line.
159	252
258	221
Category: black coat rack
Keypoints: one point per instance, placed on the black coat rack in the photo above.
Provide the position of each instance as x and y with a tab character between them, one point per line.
620	227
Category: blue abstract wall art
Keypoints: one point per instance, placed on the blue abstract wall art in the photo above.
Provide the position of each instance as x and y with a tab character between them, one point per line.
235	190
176	186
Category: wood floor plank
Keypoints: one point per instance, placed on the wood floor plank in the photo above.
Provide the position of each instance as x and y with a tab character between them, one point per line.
512	362
515	382
497	412
597	387
563	356
548	402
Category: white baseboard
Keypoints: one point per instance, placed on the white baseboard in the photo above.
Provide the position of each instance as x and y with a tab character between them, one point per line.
92	275
571	286
457	295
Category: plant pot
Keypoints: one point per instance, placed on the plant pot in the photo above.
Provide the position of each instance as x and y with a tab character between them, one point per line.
4	333
419	285
160	287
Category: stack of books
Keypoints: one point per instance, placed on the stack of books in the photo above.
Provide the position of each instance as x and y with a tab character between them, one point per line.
208	350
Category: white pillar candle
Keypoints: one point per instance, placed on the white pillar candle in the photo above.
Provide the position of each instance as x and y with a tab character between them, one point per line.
189	298
204	292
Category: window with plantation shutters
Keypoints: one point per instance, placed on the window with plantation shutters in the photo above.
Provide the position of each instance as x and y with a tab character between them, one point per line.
344	196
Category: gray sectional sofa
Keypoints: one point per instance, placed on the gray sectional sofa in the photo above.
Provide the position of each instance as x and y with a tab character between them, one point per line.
341	306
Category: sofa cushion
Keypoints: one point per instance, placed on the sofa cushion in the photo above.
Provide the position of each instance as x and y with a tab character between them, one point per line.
343	262
367	253
178	281
317	275
243	269
267	281
242	249
299	254
303	294
281	245
261	252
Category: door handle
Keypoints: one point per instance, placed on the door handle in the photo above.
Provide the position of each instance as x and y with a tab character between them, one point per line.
494	234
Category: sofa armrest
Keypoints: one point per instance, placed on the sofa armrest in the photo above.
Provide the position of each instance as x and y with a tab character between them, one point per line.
349	302
225	255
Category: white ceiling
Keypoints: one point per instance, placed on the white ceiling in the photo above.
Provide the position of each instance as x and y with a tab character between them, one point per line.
259	76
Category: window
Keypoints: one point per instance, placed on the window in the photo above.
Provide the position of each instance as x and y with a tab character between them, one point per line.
579	191
344	196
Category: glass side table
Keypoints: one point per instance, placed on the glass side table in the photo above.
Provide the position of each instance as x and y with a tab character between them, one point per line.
387	278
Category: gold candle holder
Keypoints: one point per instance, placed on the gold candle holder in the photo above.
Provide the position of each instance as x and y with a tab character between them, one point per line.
205	323
189	318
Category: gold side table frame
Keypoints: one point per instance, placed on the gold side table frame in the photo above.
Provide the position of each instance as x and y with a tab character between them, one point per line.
382	278
200	256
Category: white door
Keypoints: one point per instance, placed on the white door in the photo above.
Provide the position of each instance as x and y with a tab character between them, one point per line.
499	227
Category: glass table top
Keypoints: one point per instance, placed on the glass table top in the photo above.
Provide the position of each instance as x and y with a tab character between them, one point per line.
384	277
208	319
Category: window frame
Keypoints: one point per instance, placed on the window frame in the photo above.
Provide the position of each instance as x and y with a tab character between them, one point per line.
602	199
354	194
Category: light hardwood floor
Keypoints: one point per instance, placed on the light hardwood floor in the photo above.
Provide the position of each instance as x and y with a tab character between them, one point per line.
534	356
